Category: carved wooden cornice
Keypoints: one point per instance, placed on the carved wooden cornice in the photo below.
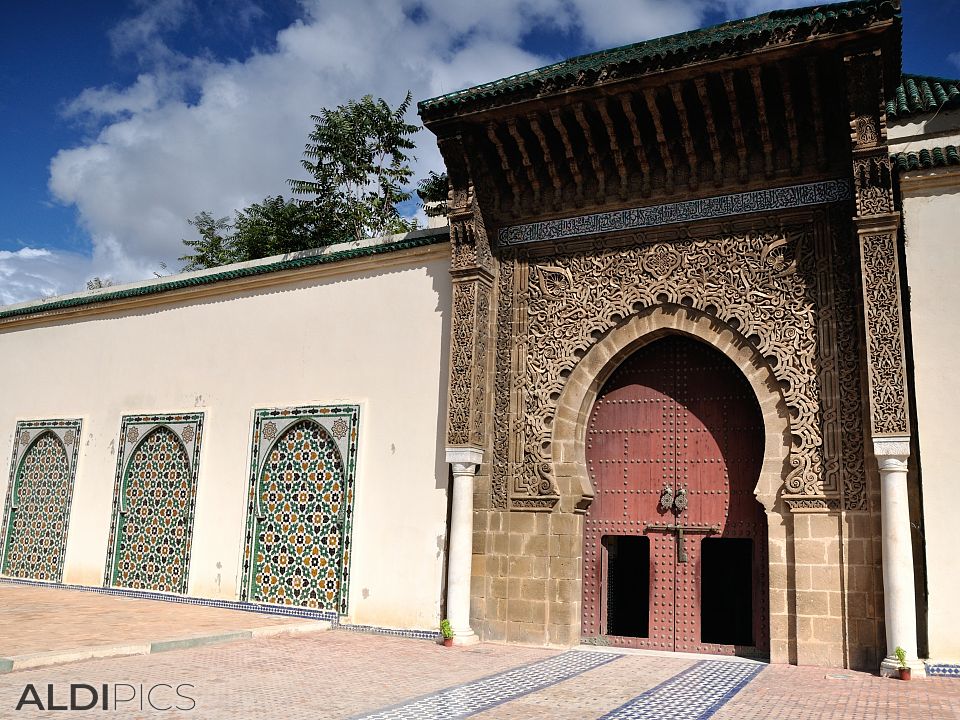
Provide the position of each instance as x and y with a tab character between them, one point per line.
740	126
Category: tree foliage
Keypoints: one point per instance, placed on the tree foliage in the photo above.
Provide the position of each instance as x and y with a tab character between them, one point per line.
432	191
215	245
357	158
358	162
275	226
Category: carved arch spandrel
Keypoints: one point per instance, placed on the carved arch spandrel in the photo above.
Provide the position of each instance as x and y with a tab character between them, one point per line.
594	369
784	288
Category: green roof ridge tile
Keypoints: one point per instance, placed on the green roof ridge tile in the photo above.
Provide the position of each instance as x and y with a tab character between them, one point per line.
918	94
418	240
926	158
672	50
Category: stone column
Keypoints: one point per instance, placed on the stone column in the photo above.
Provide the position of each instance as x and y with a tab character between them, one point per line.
899	601
472	269
464	463
877	221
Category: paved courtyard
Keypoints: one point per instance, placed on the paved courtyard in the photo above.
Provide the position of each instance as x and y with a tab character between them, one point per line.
346	674
40	626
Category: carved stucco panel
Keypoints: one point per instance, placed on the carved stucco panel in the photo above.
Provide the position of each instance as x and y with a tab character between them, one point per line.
888	397
461	363
466	419
768	285
481	334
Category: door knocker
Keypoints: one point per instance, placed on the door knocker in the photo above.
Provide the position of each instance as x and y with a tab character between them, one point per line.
666	497
680	501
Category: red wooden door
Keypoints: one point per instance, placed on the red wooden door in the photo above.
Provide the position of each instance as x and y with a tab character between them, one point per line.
675	440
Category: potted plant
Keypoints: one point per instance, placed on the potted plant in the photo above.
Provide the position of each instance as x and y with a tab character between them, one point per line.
903	669
447	632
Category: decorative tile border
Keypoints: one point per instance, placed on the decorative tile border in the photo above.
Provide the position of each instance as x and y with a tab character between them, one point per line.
943	670
394	632
134	429
241	605
818	193
27	432
474	697
342	424
694	694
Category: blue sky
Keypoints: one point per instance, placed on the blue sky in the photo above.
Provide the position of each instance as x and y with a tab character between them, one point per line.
119	120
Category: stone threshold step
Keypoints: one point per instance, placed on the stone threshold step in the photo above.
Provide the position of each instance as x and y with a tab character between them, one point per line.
59	657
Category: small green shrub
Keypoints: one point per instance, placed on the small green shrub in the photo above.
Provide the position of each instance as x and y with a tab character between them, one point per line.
445	629
901	656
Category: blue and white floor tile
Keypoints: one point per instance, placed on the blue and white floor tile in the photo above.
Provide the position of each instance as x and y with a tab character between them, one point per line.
479	695
694	694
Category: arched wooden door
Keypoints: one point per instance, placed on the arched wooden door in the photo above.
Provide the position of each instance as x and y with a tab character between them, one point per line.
675	551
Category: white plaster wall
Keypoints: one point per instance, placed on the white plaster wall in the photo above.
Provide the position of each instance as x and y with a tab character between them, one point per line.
931	208
377	338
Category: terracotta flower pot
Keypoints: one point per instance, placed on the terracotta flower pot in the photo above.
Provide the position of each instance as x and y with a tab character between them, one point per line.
904	673
448	642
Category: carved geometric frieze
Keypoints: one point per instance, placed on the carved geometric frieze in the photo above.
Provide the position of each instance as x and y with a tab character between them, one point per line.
782	198
780	290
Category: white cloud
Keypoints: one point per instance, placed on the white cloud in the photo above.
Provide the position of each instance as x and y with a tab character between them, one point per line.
629	21
36	272
157	158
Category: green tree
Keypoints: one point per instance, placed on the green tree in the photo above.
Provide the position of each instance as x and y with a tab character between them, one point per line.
433	189
357	158
278	226
215	245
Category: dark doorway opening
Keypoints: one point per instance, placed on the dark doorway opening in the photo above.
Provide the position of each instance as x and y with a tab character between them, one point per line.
628	585
726	586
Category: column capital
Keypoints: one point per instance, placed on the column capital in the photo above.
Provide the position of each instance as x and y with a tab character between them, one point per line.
891	451
464	456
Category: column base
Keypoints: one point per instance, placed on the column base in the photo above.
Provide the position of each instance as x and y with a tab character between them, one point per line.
466	638
890	667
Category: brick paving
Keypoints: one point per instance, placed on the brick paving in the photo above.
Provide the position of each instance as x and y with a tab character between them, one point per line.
334	674
341	674
814	693
40	620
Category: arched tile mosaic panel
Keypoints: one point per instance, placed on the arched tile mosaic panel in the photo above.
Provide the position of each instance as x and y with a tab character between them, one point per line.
39	495
300	506
153	504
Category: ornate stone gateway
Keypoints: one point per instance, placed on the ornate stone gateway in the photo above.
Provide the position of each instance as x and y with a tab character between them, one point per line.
700	184
675	552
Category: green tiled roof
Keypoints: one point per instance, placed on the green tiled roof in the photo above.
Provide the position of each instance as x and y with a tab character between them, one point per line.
739	36
918	94
927	158
412	240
